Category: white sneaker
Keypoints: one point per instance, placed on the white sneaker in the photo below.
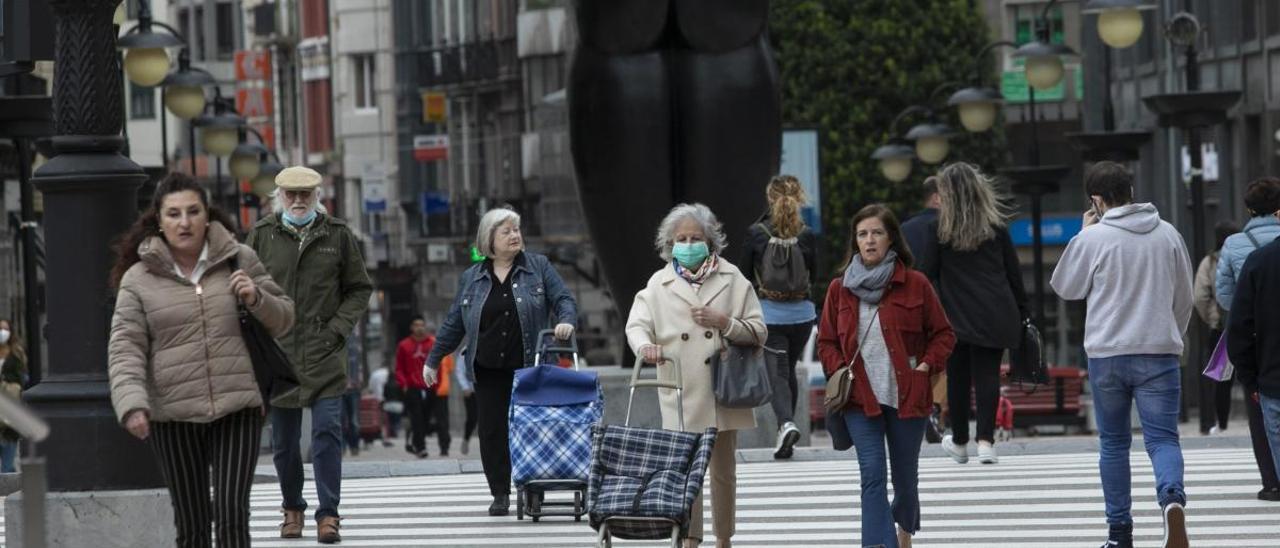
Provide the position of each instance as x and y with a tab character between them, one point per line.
987	454
1214	430
1175	526
788	435
958	452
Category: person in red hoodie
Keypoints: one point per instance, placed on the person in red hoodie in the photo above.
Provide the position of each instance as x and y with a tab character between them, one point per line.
410	356
883	320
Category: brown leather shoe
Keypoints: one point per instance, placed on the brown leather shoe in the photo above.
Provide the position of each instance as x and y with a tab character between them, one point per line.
327	530
292	526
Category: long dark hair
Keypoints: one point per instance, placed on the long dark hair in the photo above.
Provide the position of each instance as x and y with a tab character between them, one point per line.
898	243
148	223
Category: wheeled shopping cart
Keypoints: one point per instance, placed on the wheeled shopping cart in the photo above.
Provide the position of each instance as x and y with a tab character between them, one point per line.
644	481
553	410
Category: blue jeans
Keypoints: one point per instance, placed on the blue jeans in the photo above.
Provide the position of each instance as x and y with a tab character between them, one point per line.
326	454
8	456
351	418
904	437
1154	381
1271	419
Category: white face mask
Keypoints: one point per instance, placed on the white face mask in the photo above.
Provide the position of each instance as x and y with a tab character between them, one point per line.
4	336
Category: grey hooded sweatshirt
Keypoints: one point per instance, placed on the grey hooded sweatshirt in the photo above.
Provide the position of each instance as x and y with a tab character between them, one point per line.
1135	273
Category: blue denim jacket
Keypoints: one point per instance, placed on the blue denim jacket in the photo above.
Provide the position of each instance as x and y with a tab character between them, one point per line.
539	293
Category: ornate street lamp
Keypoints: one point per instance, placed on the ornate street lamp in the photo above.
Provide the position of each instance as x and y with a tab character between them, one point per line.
219	130
89	198
246	159
184	88
145	60
895	160
1043	58
1119	21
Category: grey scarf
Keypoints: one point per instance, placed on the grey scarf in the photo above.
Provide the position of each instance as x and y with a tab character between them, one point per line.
869	284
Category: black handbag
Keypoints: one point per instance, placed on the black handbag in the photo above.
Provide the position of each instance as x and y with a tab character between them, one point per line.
741	375
1027	363
271	367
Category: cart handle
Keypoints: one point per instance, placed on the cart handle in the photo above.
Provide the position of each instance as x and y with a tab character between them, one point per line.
654	383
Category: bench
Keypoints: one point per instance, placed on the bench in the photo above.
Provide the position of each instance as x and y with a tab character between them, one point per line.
1058	402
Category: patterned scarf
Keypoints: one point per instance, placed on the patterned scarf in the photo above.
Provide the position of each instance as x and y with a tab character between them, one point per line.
697	277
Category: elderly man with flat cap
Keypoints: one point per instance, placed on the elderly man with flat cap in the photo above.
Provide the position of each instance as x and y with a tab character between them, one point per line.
316	259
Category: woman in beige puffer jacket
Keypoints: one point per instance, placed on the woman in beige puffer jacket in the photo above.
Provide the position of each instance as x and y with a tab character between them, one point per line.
181	375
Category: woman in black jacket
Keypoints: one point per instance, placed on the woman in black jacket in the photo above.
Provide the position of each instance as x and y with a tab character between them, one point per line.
779	262
980	283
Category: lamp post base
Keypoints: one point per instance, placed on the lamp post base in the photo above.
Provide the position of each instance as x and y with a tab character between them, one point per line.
105	519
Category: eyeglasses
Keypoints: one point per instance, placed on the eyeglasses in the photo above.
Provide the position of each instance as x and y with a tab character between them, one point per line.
292	195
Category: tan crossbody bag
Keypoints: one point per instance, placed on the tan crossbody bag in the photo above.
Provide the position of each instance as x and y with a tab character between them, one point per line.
840	385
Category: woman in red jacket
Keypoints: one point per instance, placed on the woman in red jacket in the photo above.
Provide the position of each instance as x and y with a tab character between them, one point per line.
885	320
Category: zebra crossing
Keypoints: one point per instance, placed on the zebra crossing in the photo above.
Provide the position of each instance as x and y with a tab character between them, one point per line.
1045	501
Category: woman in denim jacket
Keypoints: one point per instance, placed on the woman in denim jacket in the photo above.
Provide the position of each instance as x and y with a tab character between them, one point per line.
502	304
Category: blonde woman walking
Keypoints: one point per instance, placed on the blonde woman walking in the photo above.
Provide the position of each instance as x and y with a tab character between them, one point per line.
979	280
779	262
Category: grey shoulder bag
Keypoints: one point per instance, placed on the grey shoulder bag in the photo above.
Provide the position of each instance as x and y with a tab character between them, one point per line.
741	375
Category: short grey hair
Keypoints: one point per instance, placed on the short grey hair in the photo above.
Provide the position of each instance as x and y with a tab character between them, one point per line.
277	200
489	224
711	229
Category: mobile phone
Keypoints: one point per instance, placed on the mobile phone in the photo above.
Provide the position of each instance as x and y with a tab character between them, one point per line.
1093	208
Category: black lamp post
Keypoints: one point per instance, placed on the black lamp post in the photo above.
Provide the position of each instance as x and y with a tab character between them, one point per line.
1119	26
977	105
1192	111
220	133
89	193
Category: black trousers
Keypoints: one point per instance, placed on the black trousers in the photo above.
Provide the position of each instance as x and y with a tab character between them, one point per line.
1261	448
493	398
976	366
788	341
186	451
437	411
415	407
469	426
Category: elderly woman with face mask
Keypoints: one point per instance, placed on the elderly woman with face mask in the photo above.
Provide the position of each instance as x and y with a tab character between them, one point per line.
696	303
883	320
181	375
501	306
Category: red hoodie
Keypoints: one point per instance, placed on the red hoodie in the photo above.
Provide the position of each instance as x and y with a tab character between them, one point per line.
411	355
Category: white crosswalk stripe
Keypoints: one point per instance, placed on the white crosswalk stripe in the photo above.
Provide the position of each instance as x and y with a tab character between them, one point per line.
1050	501
1044	501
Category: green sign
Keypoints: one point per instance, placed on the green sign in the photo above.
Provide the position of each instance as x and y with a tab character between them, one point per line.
1013	85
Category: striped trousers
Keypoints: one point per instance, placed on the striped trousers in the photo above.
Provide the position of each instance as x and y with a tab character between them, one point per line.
187	451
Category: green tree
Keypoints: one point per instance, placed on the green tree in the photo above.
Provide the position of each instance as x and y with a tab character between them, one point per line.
848	67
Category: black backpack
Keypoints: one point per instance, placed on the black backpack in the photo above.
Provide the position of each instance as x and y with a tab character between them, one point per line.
781	274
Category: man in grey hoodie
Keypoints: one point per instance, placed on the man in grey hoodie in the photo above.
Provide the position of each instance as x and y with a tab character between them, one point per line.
1134	272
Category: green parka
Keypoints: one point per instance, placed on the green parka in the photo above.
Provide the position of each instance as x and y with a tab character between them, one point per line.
326	277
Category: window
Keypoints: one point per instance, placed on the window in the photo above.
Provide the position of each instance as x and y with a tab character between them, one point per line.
1273	18
226	30
131	9
142	102
1249	21
363	70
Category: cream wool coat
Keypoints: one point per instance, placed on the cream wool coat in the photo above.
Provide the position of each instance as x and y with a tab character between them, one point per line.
176	350
661	314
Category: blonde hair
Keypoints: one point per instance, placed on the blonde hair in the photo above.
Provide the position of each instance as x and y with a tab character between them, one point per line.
786	197
972	209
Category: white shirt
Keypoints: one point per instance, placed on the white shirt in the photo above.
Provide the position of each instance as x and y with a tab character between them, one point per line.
875	356
202	264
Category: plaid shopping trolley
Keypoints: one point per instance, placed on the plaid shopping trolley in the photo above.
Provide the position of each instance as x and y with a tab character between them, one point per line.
644	480
552	412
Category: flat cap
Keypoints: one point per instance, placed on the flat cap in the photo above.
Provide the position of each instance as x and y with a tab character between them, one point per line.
298	178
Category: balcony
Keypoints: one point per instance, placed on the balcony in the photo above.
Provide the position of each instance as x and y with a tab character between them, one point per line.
474	62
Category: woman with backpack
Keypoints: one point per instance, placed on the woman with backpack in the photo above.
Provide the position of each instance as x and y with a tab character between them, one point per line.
1262	200
979	280
779	262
